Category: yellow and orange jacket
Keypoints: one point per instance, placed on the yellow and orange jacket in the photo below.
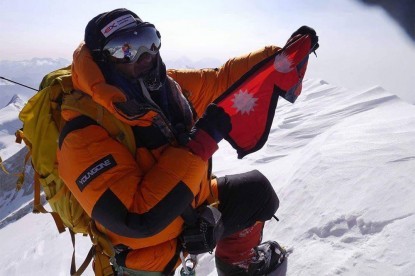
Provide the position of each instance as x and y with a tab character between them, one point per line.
136	197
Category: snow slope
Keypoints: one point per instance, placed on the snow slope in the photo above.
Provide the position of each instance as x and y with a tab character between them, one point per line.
342	162
13	205
9	123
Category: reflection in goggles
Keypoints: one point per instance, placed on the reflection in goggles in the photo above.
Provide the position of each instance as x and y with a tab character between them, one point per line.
128	46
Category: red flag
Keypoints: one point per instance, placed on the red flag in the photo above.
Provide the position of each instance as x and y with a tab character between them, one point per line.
251	101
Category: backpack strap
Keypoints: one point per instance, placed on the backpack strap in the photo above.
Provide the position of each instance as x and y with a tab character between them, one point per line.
21	175
75	124
38	207
103	251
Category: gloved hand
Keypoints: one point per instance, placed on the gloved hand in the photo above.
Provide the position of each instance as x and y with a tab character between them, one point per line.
305	30
208	131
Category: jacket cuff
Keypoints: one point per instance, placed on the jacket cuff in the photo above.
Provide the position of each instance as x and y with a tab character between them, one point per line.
202	144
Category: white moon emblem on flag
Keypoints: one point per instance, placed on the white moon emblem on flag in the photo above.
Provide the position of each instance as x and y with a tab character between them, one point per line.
244	102
282	63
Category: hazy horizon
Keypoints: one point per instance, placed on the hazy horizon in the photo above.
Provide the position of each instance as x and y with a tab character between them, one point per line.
360	46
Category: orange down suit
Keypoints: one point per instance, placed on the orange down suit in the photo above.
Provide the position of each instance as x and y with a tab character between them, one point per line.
137	199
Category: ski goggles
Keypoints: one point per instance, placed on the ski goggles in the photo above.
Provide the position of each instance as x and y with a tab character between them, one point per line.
127	46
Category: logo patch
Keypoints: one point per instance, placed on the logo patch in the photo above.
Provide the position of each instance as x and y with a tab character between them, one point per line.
95	170
116	24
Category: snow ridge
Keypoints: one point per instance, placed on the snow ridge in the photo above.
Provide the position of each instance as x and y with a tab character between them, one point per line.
17	102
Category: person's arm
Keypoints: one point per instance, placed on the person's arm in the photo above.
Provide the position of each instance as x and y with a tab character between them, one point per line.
105	179
203	86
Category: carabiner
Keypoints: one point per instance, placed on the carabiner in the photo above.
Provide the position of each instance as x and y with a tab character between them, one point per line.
187	270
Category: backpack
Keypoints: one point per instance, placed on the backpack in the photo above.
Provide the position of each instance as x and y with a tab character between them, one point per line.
42	123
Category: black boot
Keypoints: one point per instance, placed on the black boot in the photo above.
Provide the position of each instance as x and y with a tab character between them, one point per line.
269	256
225	269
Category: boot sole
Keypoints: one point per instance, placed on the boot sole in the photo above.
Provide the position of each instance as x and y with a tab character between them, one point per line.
281	270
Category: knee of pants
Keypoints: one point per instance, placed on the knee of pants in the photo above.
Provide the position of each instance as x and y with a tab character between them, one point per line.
251	185
267	194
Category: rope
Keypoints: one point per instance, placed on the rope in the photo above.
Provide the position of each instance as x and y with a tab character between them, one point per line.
18	83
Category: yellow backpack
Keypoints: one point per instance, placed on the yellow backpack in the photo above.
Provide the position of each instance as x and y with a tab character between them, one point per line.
42	123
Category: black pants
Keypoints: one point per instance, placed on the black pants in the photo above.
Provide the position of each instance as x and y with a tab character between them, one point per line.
245	199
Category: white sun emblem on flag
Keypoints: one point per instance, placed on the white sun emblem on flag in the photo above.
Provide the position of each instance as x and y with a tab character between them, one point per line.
244	102
282	63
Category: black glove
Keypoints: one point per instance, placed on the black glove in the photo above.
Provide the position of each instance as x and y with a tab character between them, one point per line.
208	131
305	30
215	121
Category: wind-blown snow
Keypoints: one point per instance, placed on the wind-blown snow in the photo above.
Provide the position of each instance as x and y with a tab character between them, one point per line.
342	162
9	123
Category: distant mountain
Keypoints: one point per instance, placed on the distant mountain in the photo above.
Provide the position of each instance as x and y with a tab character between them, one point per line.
15	204
12	203
9	124
28	72
17	102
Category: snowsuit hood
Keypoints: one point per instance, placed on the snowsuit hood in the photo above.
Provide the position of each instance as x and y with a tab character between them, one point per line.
87	77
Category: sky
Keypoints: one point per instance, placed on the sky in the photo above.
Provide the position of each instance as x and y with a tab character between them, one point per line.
360	45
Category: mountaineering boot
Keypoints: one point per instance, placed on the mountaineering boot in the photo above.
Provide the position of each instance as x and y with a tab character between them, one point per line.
269	256
267	259
236	251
